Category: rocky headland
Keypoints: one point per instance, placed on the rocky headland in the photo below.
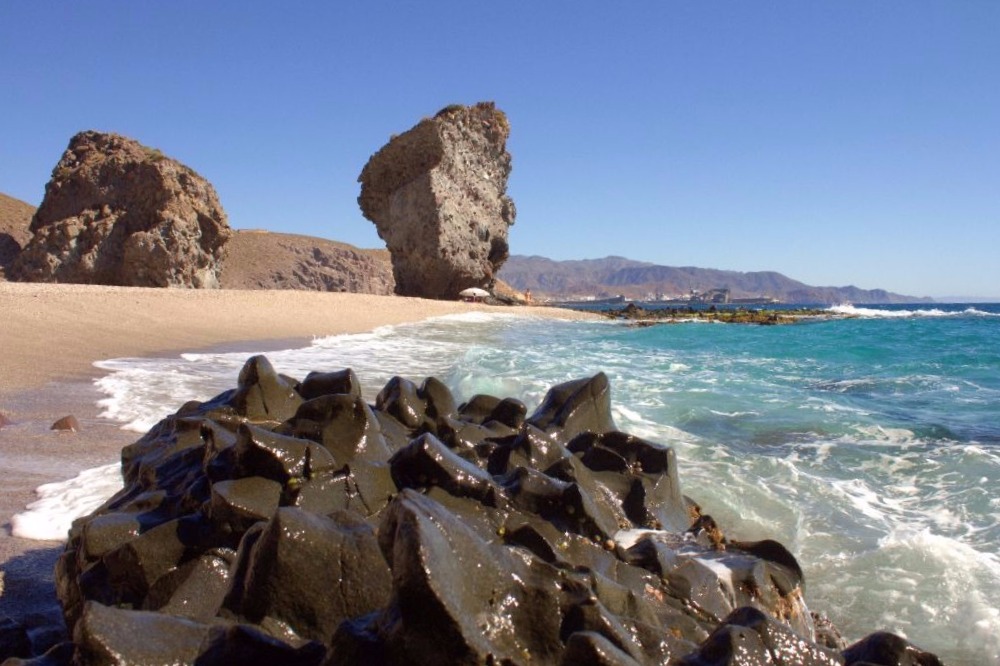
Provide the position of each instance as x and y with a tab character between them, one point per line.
438	196
289	521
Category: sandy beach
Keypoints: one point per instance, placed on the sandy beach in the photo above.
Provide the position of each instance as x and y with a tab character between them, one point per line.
50	336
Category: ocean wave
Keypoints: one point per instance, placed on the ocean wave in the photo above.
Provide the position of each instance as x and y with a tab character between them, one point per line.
59	504
854	311
778	432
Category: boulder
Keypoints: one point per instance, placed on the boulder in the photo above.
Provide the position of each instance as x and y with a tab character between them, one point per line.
437	195
119	213
15	220
886	649
69	423
291	522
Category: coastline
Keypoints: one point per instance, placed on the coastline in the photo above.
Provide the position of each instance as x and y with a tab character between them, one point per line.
52	334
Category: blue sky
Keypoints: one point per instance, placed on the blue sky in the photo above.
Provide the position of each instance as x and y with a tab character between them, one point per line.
839	142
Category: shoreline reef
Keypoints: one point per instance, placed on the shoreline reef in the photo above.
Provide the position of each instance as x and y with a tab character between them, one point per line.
763	317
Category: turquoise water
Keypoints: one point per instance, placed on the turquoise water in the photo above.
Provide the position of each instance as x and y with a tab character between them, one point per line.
869	446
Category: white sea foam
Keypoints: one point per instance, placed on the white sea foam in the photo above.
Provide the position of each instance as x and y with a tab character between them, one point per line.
142	391
732	415
59	504
958	586
854	311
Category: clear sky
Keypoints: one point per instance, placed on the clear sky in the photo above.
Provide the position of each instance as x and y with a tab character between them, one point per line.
838	142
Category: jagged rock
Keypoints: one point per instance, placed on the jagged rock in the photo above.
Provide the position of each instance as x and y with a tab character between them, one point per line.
15	220
107	635
885	649
748	636
576	407
310	572
291	522
117	212
244	645
437	195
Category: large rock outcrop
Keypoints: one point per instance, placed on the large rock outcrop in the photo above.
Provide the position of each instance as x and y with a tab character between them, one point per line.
15	220
291	522
117	212
437	195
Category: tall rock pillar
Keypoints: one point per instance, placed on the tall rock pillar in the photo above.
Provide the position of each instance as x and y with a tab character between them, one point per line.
438	197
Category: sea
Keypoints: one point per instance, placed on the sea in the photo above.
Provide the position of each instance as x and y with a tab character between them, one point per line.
867	442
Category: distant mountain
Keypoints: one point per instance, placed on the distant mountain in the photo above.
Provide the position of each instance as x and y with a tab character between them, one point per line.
612	276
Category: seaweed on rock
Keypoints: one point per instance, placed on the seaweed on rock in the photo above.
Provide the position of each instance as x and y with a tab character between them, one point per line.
292	522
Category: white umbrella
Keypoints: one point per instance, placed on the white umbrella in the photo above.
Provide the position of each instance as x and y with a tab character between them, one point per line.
473	292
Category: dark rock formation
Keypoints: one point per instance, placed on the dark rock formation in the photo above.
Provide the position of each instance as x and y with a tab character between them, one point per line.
437	195
14	640
119	213
291	522
267	260
764	317
888	649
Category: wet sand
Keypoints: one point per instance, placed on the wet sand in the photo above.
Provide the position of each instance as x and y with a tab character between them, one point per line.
50	336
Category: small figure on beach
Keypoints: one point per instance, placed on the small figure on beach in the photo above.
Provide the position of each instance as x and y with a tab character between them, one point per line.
527	296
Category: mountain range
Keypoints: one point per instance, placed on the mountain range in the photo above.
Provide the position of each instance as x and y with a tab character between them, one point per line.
613	276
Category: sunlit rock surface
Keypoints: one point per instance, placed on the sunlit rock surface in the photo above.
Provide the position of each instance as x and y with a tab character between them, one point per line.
292	521
438	196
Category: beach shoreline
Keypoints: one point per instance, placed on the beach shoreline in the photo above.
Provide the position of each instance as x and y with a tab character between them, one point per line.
53	334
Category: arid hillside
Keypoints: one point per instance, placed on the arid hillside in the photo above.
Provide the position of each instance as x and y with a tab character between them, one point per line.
268	260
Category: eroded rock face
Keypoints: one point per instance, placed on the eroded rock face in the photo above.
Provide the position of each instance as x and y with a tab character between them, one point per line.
437	195
119	213
15	218
292	522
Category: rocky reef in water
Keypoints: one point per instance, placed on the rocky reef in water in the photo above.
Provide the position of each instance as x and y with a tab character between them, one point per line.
437	195
117	212
738	315
291	522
